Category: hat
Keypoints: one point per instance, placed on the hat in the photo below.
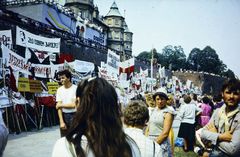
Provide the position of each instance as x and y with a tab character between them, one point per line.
162	92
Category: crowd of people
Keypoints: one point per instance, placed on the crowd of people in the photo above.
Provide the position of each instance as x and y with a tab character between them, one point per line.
97	130
92	117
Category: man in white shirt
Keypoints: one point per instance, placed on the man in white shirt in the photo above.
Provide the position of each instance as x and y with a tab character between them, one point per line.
66	101
135	117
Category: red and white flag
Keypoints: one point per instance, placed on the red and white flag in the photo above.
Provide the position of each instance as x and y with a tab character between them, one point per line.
128	65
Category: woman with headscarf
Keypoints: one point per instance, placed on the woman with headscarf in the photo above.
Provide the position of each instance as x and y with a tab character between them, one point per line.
96	129
160	122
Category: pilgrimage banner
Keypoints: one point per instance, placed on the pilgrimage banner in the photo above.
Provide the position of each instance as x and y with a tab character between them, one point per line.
17	62
113	61
27	39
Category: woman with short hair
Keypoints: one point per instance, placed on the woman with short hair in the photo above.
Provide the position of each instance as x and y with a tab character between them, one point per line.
187	126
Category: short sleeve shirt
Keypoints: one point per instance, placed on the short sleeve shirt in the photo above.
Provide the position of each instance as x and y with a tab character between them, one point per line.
66	96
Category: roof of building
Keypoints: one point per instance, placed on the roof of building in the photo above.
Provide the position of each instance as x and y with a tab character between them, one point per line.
114	10
126	29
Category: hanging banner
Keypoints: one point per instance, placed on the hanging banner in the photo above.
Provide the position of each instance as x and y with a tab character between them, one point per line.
23	84
19	63
27	39
6	38
52	87
35	86
41	55
113	62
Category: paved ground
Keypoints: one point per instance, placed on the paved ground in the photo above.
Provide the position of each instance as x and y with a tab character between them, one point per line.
40	143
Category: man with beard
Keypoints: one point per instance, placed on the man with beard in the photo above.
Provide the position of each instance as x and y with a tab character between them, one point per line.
66	101
223	129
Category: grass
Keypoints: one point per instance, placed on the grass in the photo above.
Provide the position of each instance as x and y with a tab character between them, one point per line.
178	152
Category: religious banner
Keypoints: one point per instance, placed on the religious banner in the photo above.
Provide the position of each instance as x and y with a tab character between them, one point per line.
27	39
113	62
6	38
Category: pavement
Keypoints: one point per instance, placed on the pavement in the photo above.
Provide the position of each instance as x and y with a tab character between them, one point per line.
40	143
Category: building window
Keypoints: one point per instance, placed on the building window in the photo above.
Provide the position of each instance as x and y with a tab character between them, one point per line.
109	35
116	21
117	35
128	37
90	17
116	47
83	14
109	22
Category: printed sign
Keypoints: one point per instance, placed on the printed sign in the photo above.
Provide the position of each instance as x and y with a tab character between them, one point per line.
113	62
23	84
52	87
35	86
6	38
27	39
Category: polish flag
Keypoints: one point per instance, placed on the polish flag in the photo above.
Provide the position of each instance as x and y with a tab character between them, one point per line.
128	65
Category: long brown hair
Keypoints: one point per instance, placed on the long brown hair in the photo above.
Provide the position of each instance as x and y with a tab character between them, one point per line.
97	118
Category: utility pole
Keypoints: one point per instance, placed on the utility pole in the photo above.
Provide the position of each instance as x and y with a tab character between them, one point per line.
152	71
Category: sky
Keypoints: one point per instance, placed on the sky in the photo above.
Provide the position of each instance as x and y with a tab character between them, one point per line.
188	23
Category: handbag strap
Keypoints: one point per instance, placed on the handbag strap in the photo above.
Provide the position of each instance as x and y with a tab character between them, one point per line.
71	149
153	149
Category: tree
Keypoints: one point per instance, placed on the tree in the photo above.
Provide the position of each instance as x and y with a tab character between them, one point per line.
174	56
229	73
205	60
143	55
194	59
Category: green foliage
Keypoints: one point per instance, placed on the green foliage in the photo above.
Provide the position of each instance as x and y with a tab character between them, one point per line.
174	56
206	60
229	73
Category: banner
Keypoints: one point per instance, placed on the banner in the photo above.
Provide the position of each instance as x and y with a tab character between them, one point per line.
143	72
40	55
6	38
113	62
27	39
19	63
128	65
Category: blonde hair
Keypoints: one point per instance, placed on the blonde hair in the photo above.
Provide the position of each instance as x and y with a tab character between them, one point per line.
151	102
170	101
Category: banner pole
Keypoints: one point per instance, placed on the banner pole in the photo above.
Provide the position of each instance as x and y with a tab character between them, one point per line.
36	117
15	115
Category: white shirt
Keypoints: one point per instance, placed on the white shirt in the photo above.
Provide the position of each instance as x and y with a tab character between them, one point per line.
66	95
145	144
187	113
61	148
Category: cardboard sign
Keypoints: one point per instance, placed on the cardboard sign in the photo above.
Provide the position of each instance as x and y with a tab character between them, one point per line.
23	84
35	86
52	87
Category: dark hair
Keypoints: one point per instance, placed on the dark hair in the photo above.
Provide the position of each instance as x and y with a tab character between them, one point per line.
187	99
136	113
218	98
232	84
205	100
97	118
195	97
66	73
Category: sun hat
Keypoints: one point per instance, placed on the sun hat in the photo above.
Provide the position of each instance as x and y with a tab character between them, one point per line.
161	92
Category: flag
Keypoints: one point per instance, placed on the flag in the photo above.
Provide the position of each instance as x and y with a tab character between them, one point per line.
129	65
